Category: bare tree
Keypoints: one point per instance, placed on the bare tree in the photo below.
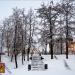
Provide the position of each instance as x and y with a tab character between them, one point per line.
68	12
18	35
30	23
46	12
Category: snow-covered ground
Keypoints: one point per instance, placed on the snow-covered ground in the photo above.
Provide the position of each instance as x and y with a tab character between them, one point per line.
57	66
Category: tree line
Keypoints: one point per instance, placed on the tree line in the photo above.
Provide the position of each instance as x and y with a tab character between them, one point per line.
54	23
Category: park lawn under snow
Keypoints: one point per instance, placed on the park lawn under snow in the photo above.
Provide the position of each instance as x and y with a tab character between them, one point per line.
57	66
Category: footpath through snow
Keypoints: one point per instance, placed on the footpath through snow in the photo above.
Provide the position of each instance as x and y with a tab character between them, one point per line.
57	66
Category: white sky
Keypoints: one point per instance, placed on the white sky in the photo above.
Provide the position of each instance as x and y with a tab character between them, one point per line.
7	5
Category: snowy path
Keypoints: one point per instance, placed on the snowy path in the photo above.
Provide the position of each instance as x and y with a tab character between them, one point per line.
57	66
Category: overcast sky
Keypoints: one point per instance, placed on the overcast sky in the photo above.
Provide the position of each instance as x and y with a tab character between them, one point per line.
7	5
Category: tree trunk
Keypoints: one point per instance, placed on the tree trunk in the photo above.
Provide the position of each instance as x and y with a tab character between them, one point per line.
67	32
46	49
51	34
22	47
66	49
16	61
8	51
22	58
61	48
11	58
61	45
28	54
24	55
15	50
51	50
27	57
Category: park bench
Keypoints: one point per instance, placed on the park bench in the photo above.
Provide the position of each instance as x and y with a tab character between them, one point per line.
37	63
